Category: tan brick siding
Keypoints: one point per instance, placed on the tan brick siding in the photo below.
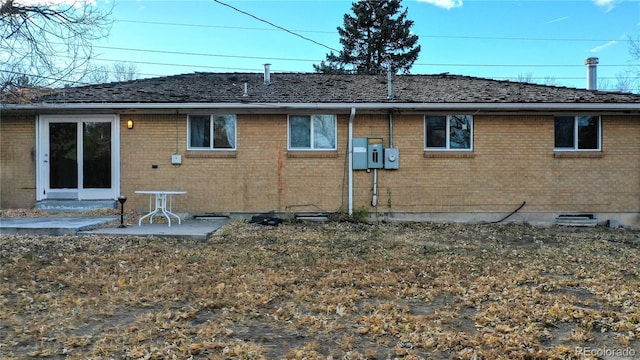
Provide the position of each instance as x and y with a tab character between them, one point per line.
512	161
17	162
261	175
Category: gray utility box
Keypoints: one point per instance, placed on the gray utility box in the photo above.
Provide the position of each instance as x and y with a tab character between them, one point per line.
360	153
369	153
375	156
391	159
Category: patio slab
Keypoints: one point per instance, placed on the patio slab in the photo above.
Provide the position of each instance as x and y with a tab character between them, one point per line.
58	226
53	226
189	229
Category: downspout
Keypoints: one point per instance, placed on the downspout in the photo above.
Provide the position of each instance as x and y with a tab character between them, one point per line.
350	155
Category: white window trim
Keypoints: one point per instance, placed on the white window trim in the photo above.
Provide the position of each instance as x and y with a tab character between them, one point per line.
312	148
575	136
211	134
448	135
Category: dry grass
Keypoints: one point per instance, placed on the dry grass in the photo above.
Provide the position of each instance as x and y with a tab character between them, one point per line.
323	291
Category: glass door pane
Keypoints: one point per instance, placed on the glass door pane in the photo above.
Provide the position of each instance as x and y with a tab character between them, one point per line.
96	154
63	159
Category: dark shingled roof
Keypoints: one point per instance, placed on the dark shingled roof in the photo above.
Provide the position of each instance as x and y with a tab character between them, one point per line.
326	88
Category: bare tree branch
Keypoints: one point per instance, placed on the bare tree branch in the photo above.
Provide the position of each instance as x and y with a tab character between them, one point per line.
51	43
120	71
634	48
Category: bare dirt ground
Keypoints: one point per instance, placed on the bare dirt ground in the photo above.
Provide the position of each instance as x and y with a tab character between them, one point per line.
335	290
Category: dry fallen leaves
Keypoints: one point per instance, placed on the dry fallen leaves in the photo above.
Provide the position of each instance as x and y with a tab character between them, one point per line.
319	291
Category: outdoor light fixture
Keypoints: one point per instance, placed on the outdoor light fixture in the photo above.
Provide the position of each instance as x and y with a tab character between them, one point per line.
122	199
129	124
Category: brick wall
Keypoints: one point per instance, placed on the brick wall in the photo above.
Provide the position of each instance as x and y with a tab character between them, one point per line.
261	175
513	161
17	162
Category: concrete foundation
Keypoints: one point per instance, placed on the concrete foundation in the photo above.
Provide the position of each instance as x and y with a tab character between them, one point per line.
75	205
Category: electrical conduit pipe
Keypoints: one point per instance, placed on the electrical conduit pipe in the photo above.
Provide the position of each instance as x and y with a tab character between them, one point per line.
374	199
352	115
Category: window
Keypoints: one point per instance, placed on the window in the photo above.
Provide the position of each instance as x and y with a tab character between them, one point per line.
312	132
453	132
212	132
577	132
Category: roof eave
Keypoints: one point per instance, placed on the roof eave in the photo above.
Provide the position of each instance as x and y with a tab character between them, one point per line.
386	106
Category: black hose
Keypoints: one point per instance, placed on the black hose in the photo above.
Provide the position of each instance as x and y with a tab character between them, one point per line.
508	216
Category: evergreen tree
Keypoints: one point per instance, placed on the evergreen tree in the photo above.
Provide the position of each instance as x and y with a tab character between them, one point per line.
376	36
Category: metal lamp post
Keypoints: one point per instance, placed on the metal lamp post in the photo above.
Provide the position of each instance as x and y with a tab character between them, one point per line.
122	199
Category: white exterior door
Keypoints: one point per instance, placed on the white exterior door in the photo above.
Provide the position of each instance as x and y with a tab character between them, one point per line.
78	157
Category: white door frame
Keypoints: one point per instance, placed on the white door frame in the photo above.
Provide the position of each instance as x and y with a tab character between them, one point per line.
42	153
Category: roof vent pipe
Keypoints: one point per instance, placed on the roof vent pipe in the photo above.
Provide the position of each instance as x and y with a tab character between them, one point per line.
246	90
592	73
389	84
267	74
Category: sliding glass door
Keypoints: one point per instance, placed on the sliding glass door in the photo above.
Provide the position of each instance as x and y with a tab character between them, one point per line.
76	155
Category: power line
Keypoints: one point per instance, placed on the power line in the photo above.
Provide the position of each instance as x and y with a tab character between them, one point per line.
200	54
254	69
323	45
216	26
55	79
296	33
177	65
517	38
519	65
421	64
315	60
154	75
274	25
469	37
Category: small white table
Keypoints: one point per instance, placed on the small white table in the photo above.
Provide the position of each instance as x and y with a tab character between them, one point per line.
161	204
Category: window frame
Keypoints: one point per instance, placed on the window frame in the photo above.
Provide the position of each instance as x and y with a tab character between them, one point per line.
447	146
212	147
312	146
576	134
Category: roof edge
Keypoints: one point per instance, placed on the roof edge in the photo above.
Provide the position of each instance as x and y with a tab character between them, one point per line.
328	106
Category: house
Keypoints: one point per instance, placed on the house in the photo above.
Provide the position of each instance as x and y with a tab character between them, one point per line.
409	147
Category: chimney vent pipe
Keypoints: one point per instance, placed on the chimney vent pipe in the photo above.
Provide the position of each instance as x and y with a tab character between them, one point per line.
389	83
267	74
592	72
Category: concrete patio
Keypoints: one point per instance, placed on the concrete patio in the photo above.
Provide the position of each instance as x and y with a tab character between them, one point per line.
96	225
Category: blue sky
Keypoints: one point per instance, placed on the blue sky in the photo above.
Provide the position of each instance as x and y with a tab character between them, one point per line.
486	38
